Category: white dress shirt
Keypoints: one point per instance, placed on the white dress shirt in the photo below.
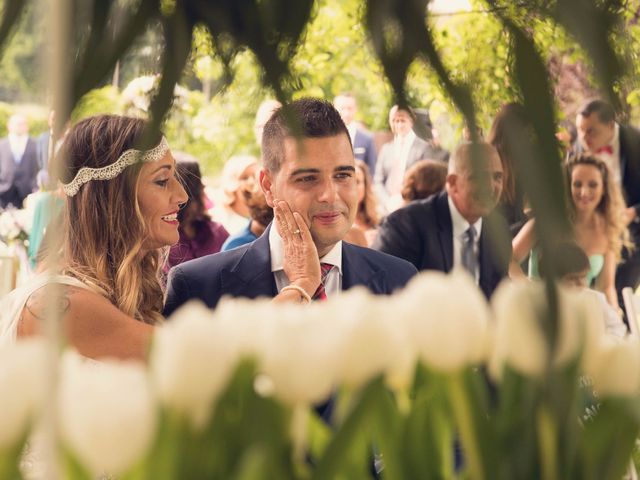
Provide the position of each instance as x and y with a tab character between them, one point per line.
18	144
460	227
333	282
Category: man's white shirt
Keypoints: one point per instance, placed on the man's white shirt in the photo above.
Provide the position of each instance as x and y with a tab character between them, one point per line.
333	282
460	227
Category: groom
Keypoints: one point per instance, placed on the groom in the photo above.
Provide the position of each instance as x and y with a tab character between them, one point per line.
310	182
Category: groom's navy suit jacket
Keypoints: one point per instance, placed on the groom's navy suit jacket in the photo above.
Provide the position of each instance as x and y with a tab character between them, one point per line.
246	272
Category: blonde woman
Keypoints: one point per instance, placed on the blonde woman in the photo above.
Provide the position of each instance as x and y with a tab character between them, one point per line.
597	213
121	209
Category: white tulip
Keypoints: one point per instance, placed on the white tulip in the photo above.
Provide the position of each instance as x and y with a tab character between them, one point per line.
518	339
581	326
299	352
22	385
107	414
371	337
446	319
617	371
520	308
191	362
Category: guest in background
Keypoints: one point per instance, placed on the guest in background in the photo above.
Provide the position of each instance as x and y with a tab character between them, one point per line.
424	179
261	216
232	211
457	227
199	235
18	163
397	156
363	231
510	124
361	140
597	214
48	207
618	146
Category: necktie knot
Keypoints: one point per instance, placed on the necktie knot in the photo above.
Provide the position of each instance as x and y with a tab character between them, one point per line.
470	234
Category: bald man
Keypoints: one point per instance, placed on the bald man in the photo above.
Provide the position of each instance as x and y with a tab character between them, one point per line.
457	227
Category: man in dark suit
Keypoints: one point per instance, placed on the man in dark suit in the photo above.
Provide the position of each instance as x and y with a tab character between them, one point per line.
18	163
398	155
458	226
619	147
362	141
310	182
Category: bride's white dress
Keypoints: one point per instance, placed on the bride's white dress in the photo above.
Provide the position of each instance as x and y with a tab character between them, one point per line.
12	304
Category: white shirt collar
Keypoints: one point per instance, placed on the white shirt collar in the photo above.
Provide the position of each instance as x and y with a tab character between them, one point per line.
333	257
460	224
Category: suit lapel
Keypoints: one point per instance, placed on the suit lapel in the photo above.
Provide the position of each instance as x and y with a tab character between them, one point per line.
252	273
357	271
445	230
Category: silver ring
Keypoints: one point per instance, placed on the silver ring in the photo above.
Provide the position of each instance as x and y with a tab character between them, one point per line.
296	231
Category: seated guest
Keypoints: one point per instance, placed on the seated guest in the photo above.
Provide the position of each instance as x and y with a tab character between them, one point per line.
572	269
121	208
199	235
232	211
618	146
596	210
261	216
425	178
456	227
363	231
311	184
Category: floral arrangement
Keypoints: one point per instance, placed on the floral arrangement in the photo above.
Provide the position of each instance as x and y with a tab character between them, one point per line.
15	225
431	382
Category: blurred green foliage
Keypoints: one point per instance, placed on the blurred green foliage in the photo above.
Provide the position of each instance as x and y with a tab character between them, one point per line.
335	55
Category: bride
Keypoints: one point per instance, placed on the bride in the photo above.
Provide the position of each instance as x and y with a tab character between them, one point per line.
121	209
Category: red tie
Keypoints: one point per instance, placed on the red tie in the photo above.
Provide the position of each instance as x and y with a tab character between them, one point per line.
320	294
606	149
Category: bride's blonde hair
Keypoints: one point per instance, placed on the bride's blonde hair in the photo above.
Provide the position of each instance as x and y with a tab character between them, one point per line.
104	230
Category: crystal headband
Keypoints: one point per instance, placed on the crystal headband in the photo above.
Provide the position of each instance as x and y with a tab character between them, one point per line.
128	158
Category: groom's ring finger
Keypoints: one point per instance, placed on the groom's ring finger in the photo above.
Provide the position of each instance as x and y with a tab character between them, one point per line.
296	231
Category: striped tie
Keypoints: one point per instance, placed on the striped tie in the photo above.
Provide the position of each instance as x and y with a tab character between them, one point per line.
320	294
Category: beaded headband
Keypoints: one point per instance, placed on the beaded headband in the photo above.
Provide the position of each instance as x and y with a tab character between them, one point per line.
128	158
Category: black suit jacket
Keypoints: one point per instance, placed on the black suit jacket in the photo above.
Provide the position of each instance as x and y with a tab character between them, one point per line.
630	171
422	233
246	272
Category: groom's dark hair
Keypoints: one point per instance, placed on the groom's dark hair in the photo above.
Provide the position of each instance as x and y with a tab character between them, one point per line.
313	117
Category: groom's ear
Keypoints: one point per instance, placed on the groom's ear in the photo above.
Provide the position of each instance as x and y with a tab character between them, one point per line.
266	183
